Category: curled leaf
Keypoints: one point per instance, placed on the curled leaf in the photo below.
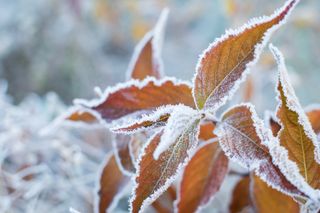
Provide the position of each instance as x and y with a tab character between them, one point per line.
146	60
242	136
296	134
225	62
112	183
137	98
155	176
156	119
202	178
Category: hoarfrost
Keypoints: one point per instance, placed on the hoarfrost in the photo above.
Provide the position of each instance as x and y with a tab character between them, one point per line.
181	119
287	8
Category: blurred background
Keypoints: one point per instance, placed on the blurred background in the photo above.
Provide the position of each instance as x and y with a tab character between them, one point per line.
70	46
54	51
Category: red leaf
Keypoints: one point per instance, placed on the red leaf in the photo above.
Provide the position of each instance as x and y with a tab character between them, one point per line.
225	62
241	135
202	178
155	176
146	60
112	182
140	98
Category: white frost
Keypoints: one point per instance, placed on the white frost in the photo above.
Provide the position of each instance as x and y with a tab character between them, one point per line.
152	117
293	102
257	49
181	119
111	90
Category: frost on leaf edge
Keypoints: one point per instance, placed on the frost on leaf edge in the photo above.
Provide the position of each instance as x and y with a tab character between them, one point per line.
168	182
257	48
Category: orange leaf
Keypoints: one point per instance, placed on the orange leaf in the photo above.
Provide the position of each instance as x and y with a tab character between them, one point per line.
83	116
206	131
155	176
314	118
112	182
241	135
241	196
146	60
122	152
267	199
296	134
140	98
202	178
224	64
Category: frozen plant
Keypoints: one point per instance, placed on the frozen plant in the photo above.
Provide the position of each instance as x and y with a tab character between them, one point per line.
173	152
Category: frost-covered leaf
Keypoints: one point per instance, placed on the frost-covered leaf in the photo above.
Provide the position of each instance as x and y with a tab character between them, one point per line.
155	119
164	204
314	118
225	62
267	199
242	136
202	178
206	131
112	182
121	144
241	196
137	98
147	60
180	120
296	134
155	176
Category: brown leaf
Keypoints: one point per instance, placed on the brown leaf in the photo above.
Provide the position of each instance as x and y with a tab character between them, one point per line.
112	182
202	178
241	135
240	196
146	60
314	118
225	62
141	98
296	134
122	152
164	204
157	119
267	199
206	131
155	176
